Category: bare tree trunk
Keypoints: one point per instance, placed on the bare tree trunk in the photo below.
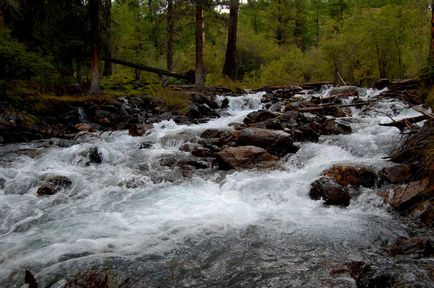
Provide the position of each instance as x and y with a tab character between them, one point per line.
94	61
230	66
200	39
108	40
170	34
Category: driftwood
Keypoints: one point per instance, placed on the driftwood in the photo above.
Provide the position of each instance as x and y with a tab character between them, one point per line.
405	123
46	133
189	76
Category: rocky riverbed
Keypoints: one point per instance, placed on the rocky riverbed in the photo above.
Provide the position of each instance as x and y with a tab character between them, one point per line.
286	187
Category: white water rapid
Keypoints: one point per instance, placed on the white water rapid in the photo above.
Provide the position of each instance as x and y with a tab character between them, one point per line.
249	229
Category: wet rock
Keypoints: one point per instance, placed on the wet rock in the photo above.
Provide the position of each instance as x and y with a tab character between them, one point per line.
427	214
237	125
175	139
84	127
330	127
58	181
193	111
89	279
102	113
354	175
169	162
165	116
214	133
273	124
46	190
259	116
200	151
397	174
409	246
344	91
278	143
196	163
405	196
382	83
30	280
2	182
277	107
202	99
146	145
224	104
246	157
138	130
94	155
331	192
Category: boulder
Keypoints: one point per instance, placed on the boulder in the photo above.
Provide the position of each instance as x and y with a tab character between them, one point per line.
354	175
94	156
409	246
246	157
214	133
58	181
400	173
405	196
224	104
274	124
259	116
331	192
200	151
278	143
46	190
2	182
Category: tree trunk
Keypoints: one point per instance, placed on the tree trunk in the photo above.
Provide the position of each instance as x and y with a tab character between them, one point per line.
94	61
432	34
108	39
200	39
230	67
170	35
2	17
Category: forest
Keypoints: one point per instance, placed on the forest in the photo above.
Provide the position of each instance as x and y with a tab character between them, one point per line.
270	42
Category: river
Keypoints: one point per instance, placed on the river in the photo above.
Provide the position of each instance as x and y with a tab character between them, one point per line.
234	229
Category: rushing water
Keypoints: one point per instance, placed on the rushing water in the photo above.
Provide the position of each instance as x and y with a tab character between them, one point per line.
249	228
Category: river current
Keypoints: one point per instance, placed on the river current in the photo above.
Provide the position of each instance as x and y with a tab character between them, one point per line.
136	219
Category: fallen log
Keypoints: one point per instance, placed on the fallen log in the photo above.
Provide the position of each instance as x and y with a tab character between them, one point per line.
188	76
405	123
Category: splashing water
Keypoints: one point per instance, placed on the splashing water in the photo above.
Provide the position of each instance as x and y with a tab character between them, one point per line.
219	229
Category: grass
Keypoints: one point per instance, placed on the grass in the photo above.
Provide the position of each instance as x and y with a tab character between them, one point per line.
172	100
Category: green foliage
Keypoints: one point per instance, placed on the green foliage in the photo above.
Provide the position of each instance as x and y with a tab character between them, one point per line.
18	62
172	100
278	42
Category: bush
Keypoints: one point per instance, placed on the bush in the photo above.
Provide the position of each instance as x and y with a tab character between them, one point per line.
18	63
